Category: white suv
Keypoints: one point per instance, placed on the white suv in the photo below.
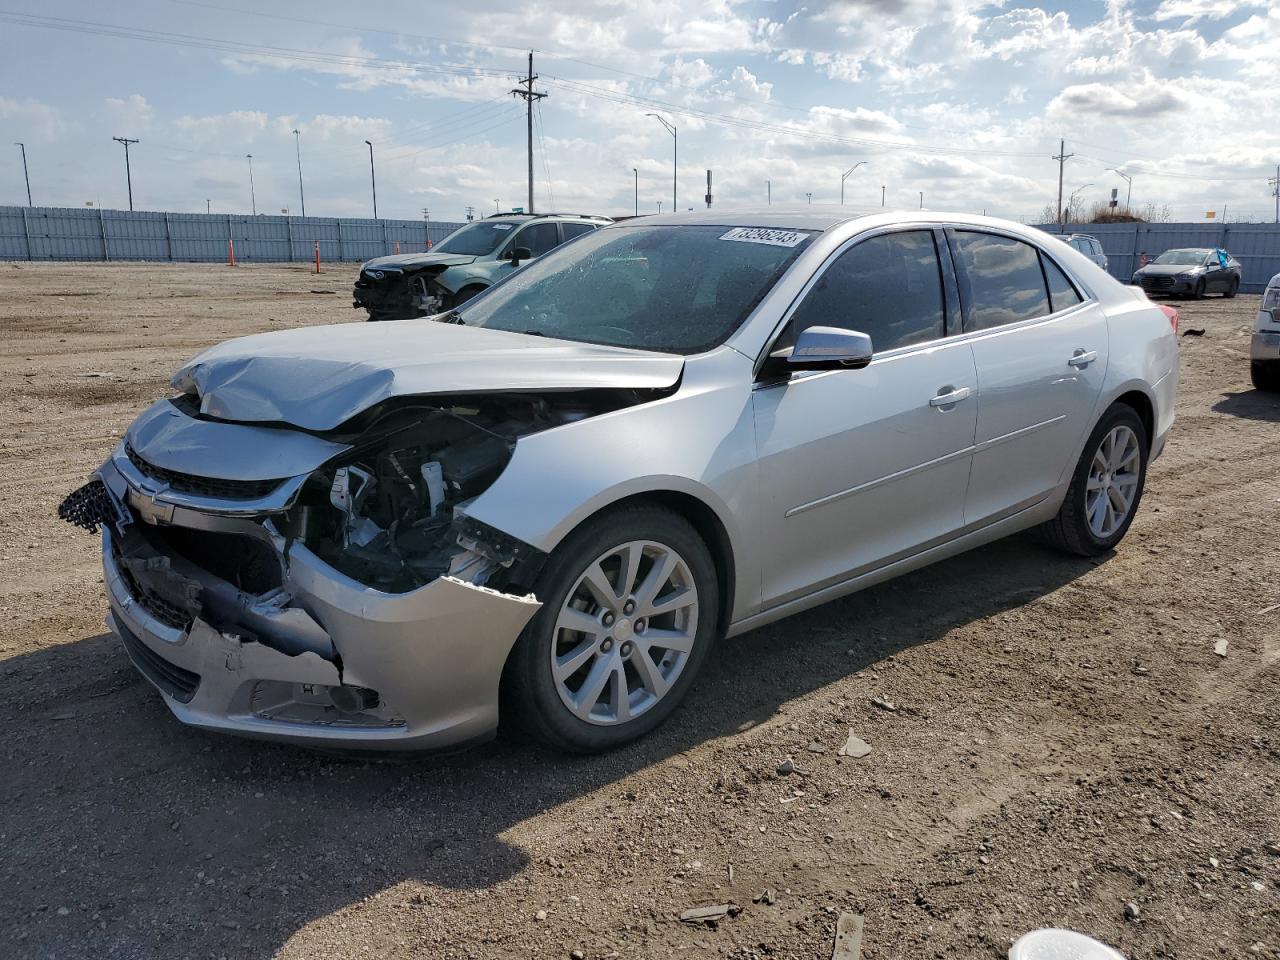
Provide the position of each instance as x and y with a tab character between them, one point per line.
1264	352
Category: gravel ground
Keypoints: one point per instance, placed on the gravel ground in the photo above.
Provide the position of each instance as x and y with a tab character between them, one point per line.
1063	742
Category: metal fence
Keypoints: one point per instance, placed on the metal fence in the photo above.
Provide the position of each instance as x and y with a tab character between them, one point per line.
1255	245
72	233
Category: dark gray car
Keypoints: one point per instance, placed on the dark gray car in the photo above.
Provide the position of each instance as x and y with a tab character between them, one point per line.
1190	272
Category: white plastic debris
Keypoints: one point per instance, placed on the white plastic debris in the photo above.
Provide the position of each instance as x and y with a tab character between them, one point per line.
1051	944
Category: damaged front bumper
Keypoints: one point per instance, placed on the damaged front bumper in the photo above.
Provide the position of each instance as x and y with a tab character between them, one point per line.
315	658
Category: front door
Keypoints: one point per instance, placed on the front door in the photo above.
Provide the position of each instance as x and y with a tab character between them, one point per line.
858	467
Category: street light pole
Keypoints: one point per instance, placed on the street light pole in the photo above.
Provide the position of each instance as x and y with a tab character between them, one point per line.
1127	179
297	144
810	197
373	180
768	192
495	205
128	175
882	196
845	176
636	171
675	158
1071	201
253	199
23	148
921	199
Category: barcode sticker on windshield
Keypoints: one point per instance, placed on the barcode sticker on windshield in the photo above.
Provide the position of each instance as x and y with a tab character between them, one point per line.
502	226
775	238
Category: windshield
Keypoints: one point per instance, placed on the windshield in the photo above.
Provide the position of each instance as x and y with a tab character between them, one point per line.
1183	257
475	239
675	289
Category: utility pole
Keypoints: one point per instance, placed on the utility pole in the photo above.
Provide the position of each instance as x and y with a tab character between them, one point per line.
529	96
128	176
882	196
675	158
810	196
373	180
659	208
471	213
768	192
845	176
208	205
495	205
297	144
23	148
1275	183
636	171
708	189
253	199
921	199
1062	159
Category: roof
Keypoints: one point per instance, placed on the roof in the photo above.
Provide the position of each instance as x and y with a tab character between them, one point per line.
541	216
802	218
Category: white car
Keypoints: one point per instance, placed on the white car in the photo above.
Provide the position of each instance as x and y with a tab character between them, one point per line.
552	500
1264	352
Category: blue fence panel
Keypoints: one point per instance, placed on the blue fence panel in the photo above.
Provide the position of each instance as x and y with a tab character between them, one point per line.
72	233
1255	245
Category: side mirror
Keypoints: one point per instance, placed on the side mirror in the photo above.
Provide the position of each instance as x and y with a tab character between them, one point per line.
830	348
521	253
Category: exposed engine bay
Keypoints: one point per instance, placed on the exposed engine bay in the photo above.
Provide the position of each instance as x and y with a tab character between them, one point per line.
384	515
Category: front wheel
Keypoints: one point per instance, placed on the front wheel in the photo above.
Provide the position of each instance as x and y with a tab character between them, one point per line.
1233	289
629	611
1106	486
1265	375
1198	292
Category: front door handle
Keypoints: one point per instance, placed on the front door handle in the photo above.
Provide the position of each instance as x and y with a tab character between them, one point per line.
952	395
1082	358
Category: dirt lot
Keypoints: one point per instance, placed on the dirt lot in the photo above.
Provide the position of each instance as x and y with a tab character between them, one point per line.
1065	740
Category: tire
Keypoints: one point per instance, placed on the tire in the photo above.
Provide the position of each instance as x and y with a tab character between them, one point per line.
1265	375
534	700
465	294
1233	289
1198	292
1073	530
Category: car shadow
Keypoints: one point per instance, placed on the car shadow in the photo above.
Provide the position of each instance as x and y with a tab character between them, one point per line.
124	817
1250	405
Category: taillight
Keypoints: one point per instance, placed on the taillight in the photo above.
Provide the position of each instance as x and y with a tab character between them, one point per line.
1171	313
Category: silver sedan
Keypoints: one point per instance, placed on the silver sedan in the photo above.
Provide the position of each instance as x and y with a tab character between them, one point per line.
549	504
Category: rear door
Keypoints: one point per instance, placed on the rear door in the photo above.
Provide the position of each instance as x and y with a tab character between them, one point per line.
1041	353
858	467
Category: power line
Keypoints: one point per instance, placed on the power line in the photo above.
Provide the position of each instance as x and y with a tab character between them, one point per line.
546	164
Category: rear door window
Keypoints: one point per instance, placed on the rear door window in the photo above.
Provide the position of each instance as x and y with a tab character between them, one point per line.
888	287
1002	278
572	230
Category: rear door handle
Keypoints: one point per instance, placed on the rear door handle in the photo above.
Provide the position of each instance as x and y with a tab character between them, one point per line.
954	395
1082	358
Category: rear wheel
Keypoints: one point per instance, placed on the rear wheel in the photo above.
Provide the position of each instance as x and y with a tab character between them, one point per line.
1233	289
1106	486
1265	375
629	609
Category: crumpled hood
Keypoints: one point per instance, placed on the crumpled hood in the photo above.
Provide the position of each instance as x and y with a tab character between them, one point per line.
406	261
319	377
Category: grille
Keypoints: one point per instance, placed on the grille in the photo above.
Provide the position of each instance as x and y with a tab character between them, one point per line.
176	682
1157	283
203	486
89	507
152	602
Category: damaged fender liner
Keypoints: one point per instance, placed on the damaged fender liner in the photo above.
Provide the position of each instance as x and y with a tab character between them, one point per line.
185	586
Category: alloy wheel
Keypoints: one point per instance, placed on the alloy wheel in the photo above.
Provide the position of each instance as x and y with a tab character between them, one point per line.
1113	481
624	633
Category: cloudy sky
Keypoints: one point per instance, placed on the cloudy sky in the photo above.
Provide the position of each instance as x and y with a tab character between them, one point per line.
961	100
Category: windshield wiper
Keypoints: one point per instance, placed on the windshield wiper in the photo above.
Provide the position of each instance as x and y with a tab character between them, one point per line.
453	316
534	333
